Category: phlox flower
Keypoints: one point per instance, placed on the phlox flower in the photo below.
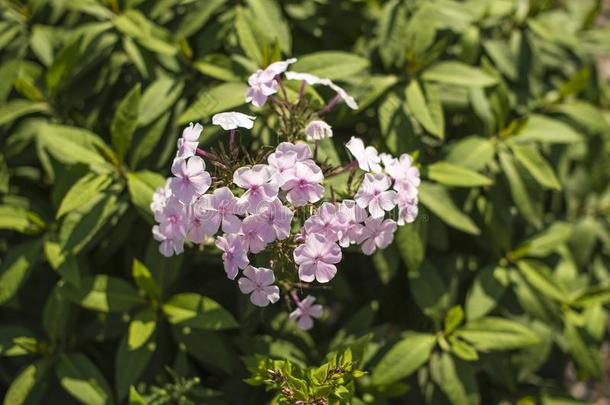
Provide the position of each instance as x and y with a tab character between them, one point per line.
159	199
174	219
313	80
251	228
276	220
191	179
407	208
302	150
282	165
262	83
233	120
258	282
367	157
317	258
235	255
353	216
377	233
304	186
305	312
188	142
257	182
317	130
196	230
216	209
327	222
374	194
277	68
406	176
170	244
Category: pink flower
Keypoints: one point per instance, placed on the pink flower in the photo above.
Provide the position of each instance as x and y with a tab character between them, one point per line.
317	258
349	100
304	186
170	243
305	312
405	175
235	255
174	220
327	222
160	198
276	221
367	157
374	194
261	85
258	184
191	179
377	233
407	209
187	144
281	165
258	282
353	216
196	231
218	208
251	228
302	150
233	120
318	129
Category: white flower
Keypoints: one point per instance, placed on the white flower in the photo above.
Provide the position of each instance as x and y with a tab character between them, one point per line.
368	158
317	130
312	80
233	120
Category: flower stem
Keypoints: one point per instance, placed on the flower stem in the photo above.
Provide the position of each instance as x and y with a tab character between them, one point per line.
295	298
342	169
281	84
232	140
302	90
330	105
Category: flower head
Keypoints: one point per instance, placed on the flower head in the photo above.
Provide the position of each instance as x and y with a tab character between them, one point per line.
405	175
305	312
258	282
235	255
367	157
302	150
317	258
374	194
317	130
160	198
304	186
262	83
313	80
407	209
233	120
377	233
216	209
188	142
327	222
258	184
191	179
282	165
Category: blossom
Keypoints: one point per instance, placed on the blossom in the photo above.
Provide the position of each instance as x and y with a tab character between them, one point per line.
277	68
406	176
317	258
233	120
191	179
377	233
305	312
349	100
160	198
367	157
261	85
304	186
196	230
276	221
374	194
220	207
251	228
173	220
326	222
317	130
407	208
234	255
281	164
187	144
258	282
313	80
302	150
352	215
258	184
170	243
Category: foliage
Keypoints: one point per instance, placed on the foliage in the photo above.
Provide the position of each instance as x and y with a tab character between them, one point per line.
500	285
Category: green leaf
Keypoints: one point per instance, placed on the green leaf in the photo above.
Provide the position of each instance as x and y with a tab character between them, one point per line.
58	73
86	189
544	243
456	379
129	365
404	358
141	187
15	109
462	349
585	114
595	295
191	309
56	315
196	18
213	100
421	110
16	267
457	73
455	175
437	199
28	386
539	276
334	65
268	16
104	294
152	37
208	347
20	220
487	289
587	357
492	333
158	98
536	165
411	242
539	128
472	152
141	328
81	378
521	195
144	279
125	121
135	398
429	291
248	37
454	318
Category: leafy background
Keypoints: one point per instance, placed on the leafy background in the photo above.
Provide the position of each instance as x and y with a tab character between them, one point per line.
498	293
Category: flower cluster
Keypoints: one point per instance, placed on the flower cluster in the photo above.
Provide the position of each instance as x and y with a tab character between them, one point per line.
276	203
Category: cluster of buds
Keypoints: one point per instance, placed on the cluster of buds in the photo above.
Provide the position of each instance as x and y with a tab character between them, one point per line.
274	205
